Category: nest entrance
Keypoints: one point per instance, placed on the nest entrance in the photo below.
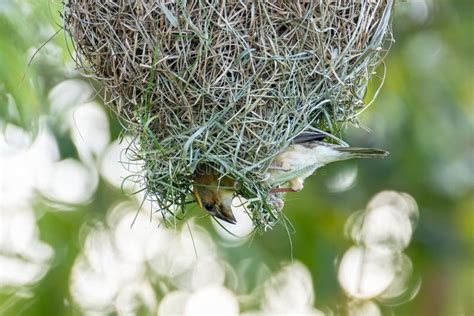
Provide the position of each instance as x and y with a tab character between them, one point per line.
227	83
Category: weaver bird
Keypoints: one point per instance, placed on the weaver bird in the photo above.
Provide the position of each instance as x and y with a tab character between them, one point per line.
286	172
214	193
307	154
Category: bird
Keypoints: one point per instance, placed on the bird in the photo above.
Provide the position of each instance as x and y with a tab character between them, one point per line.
214	193
305	155
286	173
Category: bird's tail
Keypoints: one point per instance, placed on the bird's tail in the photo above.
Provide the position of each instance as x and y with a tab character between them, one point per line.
357	152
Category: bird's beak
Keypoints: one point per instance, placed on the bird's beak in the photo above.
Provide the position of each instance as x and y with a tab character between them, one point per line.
198	197
226	215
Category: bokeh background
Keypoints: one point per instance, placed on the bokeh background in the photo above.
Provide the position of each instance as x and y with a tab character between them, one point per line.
68	246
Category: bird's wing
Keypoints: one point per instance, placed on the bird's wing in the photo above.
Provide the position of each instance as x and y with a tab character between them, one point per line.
309	136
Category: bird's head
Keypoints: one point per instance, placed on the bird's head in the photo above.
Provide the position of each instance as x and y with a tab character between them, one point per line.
217	203
214	195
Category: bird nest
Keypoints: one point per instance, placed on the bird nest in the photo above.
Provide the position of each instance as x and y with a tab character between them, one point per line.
227	83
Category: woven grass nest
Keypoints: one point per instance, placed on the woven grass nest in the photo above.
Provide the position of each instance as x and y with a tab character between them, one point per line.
228	83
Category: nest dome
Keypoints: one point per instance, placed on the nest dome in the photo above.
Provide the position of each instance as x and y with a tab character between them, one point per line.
227	83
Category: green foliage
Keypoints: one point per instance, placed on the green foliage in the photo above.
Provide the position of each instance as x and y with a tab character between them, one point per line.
423	117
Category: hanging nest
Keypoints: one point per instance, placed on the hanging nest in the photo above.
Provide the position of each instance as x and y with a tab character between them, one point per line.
227	83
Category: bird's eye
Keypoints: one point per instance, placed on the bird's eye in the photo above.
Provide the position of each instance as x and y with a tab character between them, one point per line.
209	206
